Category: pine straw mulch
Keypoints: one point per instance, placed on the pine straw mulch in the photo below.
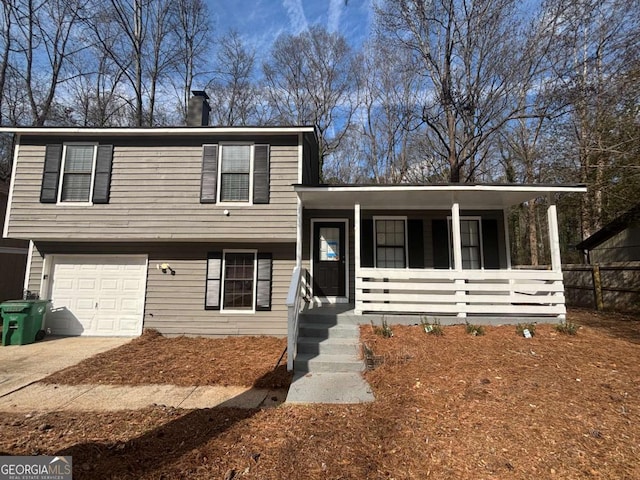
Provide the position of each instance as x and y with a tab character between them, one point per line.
184	361
497	406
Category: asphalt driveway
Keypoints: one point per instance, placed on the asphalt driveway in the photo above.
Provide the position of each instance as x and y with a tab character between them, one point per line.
22	365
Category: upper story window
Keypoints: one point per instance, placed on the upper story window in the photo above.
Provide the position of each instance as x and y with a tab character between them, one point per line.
235	173
77	173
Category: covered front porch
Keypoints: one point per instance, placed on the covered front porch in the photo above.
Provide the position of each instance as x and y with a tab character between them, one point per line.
437	251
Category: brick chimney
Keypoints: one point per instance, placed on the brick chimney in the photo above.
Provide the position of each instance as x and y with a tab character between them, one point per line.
199	108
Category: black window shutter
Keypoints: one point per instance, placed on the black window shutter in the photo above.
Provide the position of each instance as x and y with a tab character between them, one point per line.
263	288
209	181
366	243
214	276
51	173
415	239
490	246
261	174
440	236
102	182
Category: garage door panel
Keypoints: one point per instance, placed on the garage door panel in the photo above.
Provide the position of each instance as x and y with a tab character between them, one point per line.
97	295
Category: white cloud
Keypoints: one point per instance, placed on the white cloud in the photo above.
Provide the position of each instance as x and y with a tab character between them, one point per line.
335	11
296	14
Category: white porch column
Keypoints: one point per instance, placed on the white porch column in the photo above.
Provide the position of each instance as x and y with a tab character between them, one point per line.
456	238
554	247
299	234
457	253
507	239
356	233
554	236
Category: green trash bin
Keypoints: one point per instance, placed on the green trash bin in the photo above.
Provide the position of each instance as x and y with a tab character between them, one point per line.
22	321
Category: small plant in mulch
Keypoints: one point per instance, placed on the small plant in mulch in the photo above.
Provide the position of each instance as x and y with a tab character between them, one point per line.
371	360
475	330
384	330
521	327
431	328
568	328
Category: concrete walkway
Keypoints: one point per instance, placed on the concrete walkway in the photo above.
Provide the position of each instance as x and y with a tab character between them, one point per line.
326	387
41	397
22	365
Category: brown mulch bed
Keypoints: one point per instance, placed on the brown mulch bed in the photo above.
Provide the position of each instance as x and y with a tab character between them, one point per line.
184	361
497	406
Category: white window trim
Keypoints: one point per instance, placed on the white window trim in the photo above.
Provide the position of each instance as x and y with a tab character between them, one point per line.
219	200
93	173
468	217
223	280
375	239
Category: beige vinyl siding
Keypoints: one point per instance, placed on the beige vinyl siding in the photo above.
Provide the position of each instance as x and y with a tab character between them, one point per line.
155	194
174	304
35	273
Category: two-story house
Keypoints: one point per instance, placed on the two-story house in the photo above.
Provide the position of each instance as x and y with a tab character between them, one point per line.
197	230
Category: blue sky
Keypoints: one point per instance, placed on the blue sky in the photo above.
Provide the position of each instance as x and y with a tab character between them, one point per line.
259	22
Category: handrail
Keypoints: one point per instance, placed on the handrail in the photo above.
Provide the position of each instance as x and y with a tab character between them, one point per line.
294	306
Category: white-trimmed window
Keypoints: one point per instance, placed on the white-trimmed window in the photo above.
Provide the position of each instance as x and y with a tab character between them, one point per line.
390	242
238	281
236	172
78	170
471	242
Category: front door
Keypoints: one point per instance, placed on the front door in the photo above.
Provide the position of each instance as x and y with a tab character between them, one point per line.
329	262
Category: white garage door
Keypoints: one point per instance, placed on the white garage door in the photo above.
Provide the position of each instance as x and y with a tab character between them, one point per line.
97	295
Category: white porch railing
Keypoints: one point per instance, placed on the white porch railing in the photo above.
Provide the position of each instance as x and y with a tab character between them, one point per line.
450	292
295	302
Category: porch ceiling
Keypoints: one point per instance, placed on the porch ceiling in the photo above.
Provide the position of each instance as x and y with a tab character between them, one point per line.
432	197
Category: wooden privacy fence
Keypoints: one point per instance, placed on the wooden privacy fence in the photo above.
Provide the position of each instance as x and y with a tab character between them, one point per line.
612	286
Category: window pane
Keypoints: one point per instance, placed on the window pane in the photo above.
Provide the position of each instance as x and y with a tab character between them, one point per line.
390	241
235	187
329	244
238	281
390	232
79	158
76	187
236	158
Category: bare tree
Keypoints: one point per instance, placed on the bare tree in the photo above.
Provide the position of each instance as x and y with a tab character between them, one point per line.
6	27
45	29
192	32
599	44
232	88
139	38
474	55
390	94
311	79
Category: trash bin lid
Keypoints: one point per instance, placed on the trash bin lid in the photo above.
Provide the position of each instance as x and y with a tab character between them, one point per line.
14	306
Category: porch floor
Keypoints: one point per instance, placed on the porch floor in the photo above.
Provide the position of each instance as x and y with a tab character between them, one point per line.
344	312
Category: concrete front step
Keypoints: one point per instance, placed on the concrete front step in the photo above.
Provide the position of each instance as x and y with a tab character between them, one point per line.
331	346
311	362
323	331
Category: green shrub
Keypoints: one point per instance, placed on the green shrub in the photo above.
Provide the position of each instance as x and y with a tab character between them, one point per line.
521	327
432	328
568	328
475	330
384	330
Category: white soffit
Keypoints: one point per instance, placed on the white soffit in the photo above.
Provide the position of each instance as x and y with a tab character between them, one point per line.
427	197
